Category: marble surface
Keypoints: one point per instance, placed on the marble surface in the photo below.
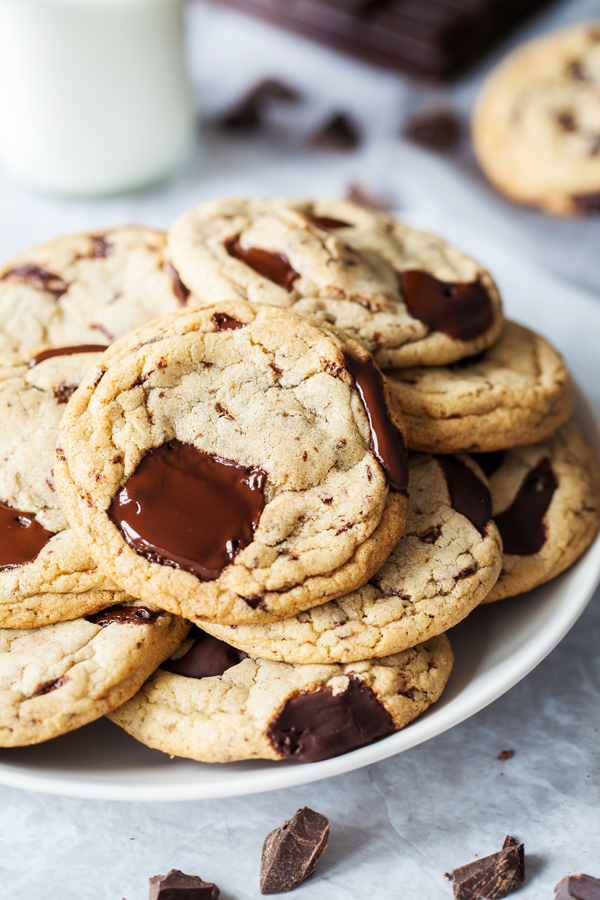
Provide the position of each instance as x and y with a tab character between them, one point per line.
398	825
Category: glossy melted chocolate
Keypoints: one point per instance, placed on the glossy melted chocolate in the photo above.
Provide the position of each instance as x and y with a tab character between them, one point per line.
274	266
21	537
319	725
522	525
327	222
181	291
208	656
469	495
386	443
189	509
461	310
223	322
124	615
67	351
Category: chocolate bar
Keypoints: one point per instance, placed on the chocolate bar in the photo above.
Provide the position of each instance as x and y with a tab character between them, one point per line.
437	39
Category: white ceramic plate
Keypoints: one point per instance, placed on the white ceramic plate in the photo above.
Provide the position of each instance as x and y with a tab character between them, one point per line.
494	649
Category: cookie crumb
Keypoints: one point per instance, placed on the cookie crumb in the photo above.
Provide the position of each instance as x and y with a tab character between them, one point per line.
506	754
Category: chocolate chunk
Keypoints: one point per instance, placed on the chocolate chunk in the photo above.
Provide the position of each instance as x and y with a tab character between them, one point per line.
290	853
522	526
356	193
492	877
248	114
189	509
101	248
469	496
566	120
489	462
21	537
274	266
48	686
124	615
327	223
320	725
578	887
177	886
575	70
506	754
206	657
66	351
338	134
462	310
435	129
386	443
223	322
587	204
181	291
39	278
64	392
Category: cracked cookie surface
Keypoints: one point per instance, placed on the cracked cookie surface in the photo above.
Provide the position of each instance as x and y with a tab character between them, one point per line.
260	709
258	394
59	677
85	289
45	574
546	500
517	392
536	125
441	569
407	296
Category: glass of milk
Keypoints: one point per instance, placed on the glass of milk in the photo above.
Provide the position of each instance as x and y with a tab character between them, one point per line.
94	95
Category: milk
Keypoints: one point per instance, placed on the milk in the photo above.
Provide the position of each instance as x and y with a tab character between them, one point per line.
94	96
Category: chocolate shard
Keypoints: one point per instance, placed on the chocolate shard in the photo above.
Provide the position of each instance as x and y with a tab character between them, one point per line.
339	133
290	853
178	886
506	754
248	113
578	887
491	877
436	129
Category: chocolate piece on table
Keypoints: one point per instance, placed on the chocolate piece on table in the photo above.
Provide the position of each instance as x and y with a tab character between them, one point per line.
291	852
248	113
434	40
339	133
360	195
436	129
506	754
491	877
578	887
178	886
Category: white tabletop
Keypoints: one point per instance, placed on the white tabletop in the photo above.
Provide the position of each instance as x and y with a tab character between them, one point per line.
400	824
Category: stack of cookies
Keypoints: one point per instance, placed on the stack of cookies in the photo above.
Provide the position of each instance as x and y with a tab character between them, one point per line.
212	528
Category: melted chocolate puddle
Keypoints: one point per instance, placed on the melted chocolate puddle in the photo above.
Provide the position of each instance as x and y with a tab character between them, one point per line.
39	278
189	509
386	443
274	266
522	525
469	495
67	351
208	656
21	537
319	725
327	222
124	615
223	322
461	310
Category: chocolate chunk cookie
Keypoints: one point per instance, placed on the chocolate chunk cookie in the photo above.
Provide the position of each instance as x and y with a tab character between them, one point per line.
536	125
45	574
59	677
445	563
85	289
407	296
546	500
517	392
235	464
259	709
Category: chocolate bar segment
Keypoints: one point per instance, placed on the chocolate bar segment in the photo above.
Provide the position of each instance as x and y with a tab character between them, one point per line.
437	39
491	877
290	853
